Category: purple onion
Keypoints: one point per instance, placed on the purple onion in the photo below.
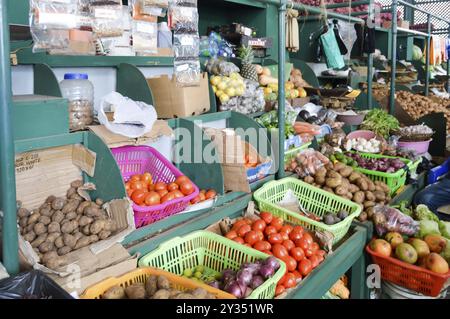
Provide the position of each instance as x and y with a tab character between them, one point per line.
252	267
256	281
244	277
272	262
228	275
233	288
248	292
214	284
266	271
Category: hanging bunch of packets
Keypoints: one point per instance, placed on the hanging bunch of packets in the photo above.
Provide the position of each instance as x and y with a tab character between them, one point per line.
183	21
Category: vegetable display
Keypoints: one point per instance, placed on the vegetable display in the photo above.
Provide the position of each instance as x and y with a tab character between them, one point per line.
270	121
382	164
362	145
415	133
380	122
144	191
62	225
204	195
155	287
294	245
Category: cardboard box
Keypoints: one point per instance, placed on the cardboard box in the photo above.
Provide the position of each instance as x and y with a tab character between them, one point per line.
232	152
299	102
172	101
45	172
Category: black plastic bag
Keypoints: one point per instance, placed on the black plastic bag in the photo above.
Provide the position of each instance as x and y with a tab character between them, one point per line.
31	285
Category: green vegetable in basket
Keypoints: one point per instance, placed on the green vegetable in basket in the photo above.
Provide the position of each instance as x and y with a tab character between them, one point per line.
380	122
424	213
445	253
444	228
428	227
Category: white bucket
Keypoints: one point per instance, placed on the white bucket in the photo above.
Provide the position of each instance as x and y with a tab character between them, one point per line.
398	292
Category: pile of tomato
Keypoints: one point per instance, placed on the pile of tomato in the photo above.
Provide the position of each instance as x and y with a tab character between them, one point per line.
144	192
204	195
292	244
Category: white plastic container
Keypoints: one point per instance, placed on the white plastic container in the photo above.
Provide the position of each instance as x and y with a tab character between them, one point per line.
79	91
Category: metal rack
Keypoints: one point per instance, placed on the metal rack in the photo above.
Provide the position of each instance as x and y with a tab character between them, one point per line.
395	30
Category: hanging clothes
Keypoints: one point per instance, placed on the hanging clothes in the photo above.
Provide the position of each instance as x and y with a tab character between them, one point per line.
292	31
331	50
437	51
365	39
339	40
431	58
443	50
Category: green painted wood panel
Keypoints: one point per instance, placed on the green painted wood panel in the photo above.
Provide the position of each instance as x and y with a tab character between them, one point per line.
45	81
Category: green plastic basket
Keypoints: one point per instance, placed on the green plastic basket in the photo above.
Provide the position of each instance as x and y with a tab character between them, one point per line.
288	155
313	199
393	180
216	253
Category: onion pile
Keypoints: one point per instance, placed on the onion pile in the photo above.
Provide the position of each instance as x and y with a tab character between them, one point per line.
250	276
383	164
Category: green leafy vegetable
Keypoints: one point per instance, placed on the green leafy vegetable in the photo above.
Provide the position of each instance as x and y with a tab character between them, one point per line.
446	252
403	207
428	227
424	213
380	122
444	228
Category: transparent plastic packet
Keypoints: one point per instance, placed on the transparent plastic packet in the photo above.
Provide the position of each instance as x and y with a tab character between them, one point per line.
183	19
187	72
107	20
220	67
309	161
54	14
143	12
186	45
49	39
389	219
184	3
164	36
145	37
155	3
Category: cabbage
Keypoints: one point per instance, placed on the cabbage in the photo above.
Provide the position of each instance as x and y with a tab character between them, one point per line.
446	252
423	213
428	227
444	228
416	53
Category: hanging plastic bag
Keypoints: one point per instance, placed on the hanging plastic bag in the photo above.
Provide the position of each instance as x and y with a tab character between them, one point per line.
186	45
145	37
107	19
183	19
330	47
348	36
164	36
187	72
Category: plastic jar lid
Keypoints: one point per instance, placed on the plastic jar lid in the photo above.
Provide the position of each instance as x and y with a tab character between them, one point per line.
75	76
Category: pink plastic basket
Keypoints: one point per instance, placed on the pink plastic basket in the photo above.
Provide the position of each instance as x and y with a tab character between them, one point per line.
140	159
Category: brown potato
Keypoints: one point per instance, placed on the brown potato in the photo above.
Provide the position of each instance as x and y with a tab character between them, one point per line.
69	227
93	239
69	240
380	196
136	291
50	199
55	263
39	240
358	197
96	227
321	172
368	204
59	242
39	229
354	176
46	211
48	256
23	212
46	246
77	235
353	188
33	218
82	242
115	292
184	295
82	206
163	282
64	250
84	220
338	166
58	203
29	237
71	215
320	180
29	228
110	225
23	222
161	294
70	192
199	293
52	237
340	190
70	206
328	189
91	211
57	216
371	185
151	285
99	202
104	234
309	179
333	182
333	174
362	184
44	220
76	197
86	230
346	171
76	184
369	196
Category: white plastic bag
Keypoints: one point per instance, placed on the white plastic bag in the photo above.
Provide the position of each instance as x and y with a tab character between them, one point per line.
132	119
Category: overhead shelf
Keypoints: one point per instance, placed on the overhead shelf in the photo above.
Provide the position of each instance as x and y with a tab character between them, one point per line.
250	3
403	30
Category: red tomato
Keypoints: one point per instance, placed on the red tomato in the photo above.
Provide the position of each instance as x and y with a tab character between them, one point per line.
244	229
211	193
283	279
284	236
181	179
277	222
279	290
297	253
167	197
260	235
299	229
308	252
286	229
293	235
321	253
308	238
231	234
138	196
187	188
135	178
151	187
238	224
289	244
248	221
268	252
315	247
270	230
176	193
314	261
162	192
172	187
159	186
239	240
195	200
138	185
298	276
280	251
267	217
147	178
275	238
251	237
302	243
127	186
152	198
291	263
130	192
290	280
320	258
202	197
262	245
259	225
305	267
248	245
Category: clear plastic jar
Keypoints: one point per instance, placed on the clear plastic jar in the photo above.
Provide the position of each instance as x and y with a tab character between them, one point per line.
79	91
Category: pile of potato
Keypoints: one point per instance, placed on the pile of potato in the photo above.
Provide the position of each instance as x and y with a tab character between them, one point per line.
62	225
156	287
417	106
343	181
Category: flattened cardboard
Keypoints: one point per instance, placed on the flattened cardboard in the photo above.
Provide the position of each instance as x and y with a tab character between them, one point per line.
84	158
160	128
172	101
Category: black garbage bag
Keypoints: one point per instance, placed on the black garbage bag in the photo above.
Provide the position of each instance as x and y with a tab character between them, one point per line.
31	285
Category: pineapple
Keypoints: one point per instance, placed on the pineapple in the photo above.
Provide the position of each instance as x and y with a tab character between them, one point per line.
248	70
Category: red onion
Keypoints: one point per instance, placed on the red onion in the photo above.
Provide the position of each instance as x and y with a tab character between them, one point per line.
266	271
228	275
214	284
256	281
244	277
233	288
272	262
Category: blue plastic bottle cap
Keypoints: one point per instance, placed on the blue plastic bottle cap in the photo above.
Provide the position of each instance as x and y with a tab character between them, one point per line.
75	76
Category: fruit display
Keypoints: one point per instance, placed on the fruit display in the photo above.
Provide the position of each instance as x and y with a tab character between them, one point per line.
294	245
250	276
248	69
204	195
250	101
62	225
155	287
143	191
227	87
